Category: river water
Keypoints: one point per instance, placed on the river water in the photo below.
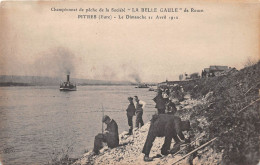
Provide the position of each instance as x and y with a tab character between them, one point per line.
36	122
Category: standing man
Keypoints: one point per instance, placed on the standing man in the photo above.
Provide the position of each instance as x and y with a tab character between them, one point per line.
160	102
110	136
130	113
139	112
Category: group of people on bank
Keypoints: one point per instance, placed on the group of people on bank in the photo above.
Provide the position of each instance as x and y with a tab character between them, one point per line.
163	124
132	110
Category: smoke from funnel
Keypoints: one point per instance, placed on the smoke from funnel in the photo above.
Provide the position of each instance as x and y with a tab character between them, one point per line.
56	62
136	77
131	71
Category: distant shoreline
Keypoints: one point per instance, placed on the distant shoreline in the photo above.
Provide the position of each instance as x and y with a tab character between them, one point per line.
10	84
14	80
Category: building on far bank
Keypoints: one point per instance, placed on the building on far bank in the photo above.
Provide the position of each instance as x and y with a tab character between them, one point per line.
216	70
192	76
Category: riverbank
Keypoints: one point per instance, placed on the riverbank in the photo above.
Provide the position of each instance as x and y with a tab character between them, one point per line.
224	115
130	149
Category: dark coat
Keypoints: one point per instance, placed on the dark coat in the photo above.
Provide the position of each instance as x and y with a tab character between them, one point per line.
139	107
130	109
159	124
168	126
112	137
160	102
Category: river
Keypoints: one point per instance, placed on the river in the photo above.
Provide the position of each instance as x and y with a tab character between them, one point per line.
36	122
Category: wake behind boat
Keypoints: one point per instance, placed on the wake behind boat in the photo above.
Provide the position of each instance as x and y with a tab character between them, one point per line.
68	86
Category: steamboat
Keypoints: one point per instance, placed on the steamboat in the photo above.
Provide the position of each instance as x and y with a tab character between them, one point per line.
68	86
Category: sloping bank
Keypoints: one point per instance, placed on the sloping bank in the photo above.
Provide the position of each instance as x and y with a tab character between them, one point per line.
226	107
130	149
232	113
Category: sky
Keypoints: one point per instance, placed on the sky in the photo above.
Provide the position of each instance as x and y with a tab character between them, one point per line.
36	41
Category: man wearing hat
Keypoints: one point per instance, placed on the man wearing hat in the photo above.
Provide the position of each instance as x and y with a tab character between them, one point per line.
130	113
110	136
160	102
139	112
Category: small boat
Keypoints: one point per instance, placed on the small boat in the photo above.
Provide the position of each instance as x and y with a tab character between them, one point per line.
151	89
68	86
142	86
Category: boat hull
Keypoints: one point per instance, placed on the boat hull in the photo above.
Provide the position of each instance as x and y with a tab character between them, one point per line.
68	89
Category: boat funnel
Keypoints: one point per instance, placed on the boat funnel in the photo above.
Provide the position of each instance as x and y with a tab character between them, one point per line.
68	78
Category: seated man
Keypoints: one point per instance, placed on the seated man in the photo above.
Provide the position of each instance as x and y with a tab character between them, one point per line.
110	136
162	125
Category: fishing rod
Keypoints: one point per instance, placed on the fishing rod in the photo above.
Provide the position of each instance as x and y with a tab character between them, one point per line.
102	119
